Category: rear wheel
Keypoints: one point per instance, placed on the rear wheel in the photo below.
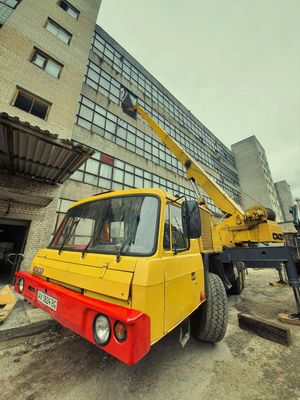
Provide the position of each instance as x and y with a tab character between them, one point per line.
209	321
239	284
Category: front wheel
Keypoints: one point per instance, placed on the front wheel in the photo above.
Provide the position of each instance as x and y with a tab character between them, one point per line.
209	321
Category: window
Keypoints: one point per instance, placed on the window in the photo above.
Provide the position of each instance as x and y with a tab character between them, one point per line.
122	225
6	9
58	31
46	63
11	3
121	65
174	238
72	11
31	104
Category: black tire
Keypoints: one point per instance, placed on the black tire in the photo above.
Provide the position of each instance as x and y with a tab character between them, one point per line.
209	321
239	284
298	267
271	216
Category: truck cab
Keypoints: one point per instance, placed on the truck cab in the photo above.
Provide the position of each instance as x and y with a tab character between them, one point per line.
122	270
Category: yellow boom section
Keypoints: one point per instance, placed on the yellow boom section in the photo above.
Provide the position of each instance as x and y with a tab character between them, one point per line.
193	169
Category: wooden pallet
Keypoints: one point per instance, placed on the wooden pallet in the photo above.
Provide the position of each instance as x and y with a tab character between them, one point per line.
280	284
289	319
265	329
7	302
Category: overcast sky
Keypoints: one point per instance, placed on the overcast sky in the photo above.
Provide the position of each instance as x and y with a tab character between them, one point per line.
234	63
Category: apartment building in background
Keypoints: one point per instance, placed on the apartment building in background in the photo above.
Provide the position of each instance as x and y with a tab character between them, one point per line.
297	200
286	201
256	183
62	76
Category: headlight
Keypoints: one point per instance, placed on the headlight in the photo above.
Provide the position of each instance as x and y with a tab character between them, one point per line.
120	331
101	330
21	285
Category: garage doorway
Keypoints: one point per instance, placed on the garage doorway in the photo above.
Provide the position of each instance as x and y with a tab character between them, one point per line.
13	236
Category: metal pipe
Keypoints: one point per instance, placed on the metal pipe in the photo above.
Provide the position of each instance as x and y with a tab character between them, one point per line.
291	270
198	194
281	277
297	299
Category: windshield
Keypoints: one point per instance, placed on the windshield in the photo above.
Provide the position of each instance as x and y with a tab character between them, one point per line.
126	225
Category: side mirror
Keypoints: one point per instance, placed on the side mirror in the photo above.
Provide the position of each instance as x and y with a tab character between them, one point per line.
191	222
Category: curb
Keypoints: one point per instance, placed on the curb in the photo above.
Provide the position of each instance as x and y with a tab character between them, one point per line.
27	329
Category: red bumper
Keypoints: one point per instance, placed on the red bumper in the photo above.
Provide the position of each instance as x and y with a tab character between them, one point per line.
77	313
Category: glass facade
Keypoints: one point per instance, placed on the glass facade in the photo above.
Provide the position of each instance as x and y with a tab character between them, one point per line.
119	63
110	173
110	87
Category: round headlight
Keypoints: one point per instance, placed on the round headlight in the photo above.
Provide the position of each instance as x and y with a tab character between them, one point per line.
120	331
101	330
21	285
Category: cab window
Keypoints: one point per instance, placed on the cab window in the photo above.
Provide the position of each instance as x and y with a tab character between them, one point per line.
117	225
174	238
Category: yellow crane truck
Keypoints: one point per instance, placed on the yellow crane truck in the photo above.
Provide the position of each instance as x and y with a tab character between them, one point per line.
126	267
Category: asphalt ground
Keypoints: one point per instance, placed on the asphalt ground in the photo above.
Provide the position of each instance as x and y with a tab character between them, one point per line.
58	364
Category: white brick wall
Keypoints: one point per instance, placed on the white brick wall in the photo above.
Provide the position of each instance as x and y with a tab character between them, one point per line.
24	30
41	219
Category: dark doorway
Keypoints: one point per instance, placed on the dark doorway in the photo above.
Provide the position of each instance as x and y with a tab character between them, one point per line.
13	235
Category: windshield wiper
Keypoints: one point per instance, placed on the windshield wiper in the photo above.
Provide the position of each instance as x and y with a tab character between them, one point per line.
129	240
74	224
68	235
97	234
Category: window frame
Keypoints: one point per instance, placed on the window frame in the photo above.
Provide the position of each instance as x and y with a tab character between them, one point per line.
35	97
129	254
13	7
47	57
58	26
69	6
168	209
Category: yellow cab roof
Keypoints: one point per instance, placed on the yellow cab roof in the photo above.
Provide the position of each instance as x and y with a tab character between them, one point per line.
126	192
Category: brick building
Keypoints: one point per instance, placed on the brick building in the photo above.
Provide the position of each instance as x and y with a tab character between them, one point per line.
44	48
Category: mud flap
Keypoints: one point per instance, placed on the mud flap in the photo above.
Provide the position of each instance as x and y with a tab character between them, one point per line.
185	330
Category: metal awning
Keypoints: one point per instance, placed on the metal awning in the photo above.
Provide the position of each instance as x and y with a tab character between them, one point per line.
29	151
20	196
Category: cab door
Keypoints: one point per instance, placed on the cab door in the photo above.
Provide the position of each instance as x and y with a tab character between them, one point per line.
183	270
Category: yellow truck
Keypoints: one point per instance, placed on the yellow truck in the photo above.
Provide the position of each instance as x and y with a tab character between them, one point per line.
126	267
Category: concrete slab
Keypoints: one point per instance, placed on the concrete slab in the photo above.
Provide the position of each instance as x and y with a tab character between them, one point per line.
25	320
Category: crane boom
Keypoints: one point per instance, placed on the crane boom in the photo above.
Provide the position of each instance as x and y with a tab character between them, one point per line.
240	228
193	170
236	218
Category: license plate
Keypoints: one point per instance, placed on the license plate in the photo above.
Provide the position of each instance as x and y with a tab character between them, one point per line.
46	300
